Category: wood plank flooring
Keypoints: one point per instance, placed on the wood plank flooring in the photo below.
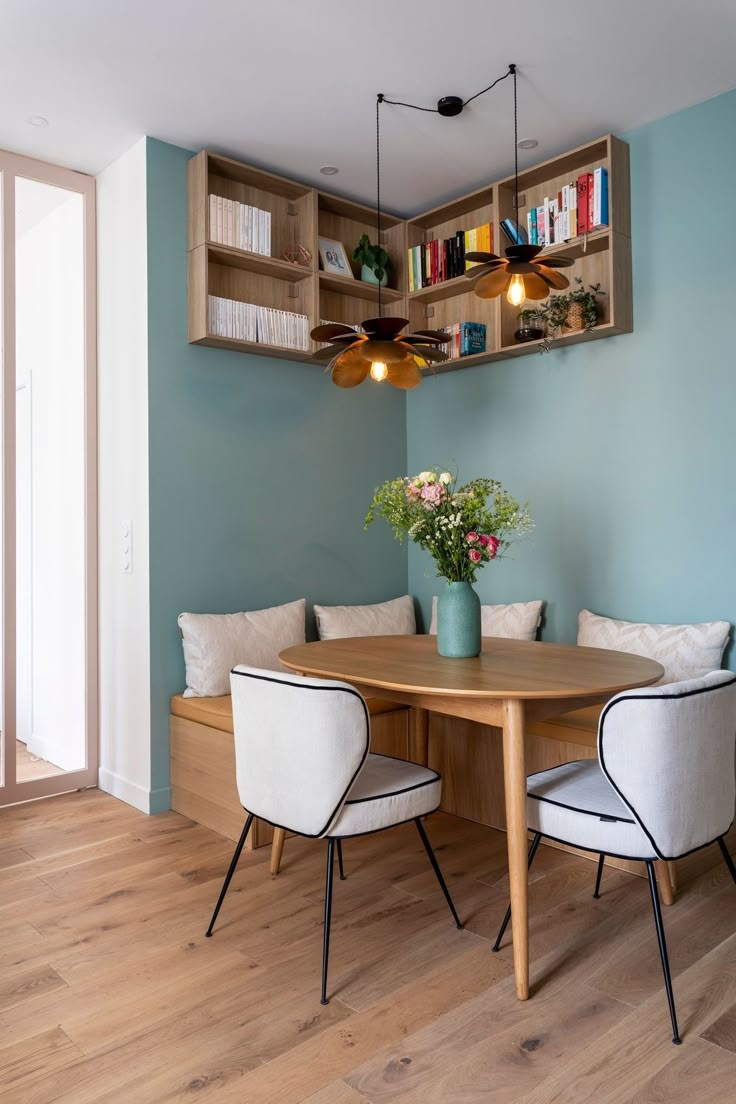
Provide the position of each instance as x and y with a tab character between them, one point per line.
28	766
109	991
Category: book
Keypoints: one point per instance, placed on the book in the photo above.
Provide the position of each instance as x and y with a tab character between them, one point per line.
600	197
515	233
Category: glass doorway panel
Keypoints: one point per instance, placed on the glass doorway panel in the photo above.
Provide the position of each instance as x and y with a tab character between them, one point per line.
49	480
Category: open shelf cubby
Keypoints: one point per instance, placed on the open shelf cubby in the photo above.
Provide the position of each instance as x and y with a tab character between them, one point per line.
300	215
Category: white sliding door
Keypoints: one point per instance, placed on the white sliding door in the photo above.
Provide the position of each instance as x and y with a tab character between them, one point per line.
49	531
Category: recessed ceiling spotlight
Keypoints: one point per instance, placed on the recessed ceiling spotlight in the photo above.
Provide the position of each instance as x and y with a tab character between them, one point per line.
329	170
38	121
527	143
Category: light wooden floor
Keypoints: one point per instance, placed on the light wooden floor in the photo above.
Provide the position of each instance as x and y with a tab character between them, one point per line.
29	766
109	992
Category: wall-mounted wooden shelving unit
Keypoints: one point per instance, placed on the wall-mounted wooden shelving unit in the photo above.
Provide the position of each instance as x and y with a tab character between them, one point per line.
300	215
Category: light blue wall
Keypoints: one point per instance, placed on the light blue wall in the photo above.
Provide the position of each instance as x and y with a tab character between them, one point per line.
261	471
624	446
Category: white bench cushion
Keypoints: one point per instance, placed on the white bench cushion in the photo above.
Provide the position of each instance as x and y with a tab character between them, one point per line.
386	792
514	621
685	651
394	618
214	643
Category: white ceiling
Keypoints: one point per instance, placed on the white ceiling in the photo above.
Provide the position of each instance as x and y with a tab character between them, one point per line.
291	84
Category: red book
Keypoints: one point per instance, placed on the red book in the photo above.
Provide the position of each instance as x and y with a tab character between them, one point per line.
436	260
584	198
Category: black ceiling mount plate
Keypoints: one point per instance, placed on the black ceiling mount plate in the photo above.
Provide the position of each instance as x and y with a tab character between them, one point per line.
450	105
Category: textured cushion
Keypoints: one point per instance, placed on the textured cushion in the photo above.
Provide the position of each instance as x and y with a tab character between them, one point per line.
387	791
515	621
568	803
215	642
395	618
685	651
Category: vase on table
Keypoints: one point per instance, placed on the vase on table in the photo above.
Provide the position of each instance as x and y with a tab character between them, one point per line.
458	622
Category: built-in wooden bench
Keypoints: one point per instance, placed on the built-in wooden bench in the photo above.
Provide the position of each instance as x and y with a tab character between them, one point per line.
202	752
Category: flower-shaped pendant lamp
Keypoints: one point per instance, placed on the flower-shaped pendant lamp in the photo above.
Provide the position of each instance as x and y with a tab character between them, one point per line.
520	274
378	349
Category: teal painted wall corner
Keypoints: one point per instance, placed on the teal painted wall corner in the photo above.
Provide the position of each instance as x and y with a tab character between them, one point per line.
261	471
623	446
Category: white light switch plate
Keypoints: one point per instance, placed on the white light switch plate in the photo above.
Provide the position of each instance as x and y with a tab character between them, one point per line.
126	547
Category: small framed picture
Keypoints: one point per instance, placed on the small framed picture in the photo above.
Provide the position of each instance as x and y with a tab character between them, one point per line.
334	258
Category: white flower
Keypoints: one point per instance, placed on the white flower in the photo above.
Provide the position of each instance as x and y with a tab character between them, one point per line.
427	477
445	478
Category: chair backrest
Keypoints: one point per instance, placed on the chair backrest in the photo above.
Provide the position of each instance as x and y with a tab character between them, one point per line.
513	621
300	743
670	751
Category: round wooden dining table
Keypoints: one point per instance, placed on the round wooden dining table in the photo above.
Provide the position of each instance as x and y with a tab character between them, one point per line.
509	683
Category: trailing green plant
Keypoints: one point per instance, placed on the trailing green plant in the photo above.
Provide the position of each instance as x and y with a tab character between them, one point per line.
374	257
555	310
529	316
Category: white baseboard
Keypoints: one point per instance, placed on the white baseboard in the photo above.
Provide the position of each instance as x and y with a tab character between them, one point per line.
130	792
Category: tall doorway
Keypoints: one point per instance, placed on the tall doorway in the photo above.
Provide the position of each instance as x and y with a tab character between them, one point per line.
48	521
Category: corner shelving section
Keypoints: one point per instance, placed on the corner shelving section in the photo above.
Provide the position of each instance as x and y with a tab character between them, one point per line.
300	215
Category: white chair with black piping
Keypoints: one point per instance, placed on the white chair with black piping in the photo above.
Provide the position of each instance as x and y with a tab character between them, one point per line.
663	787
303	764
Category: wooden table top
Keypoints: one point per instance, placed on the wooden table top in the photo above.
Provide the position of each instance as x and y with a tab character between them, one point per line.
504	669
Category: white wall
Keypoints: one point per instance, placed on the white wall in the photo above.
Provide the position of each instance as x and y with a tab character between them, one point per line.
125	719
51	478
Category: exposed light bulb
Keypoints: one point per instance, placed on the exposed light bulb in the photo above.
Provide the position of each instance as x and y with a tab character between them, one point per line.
517	292
379	371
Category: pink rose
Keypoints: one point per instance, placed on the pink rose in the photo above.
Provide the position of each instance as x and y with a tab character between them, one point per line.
471	538
412	491
475	555
492	547
484	540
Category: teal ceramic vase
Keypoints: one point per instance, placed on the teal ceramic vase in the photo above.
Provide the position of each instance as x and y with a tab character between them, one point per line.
458	622
368	276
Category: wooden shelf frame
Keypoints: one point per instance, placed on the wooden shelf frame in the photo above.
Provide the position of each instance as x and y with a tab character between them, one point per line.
300	215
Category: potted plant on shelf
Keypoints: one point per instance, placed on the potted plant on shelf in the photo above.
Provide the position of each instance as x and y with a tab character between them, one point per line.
573	311
463	527
374	261
531	324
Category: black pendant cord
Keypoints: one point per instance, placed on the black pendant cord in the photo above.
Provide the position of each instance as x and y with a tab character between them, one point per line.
379	101
435	111
512	68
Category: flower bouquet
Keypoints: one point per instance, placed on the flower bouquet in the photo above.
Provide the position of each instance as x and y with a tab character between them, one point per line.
463	527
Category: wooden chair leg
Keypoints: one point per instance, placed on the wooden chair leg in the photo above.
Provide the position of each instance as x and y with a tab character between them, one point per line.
665	885
279	835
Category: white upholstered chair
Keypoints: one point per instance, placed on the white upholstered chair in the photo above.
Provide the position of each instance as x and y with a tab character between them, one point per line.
303	764
663	786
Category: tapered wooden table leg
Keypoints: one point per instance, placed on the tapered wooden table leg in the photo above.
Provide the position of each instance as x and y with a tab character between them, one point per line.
514	769
419	736
666	889
279	835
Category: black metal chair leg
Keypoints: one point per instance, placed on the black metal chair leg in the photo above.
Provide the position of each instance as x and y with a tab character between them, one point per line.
231	871
328	917
663	951
727	858
598	876
530	859
339	860
436	868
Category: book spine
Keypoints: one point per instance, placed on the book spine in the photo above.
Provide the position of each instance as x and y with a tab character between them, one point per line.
600	197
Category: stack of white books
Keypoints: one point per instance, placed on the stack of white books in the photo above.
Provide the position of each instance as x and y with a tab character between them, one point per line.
238	225
327	322
266	325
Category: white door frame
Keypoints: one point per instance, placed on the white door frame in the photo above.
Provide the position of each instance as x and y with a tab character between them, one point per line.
12	165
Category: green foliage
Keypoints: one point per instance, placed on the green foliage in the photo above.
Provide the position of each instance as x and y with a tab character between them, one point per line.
462	527
554	311
374	256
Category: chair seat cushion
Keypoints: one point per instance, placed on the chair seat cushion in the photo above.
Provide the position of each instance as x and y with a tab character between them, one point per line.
576	804
386	792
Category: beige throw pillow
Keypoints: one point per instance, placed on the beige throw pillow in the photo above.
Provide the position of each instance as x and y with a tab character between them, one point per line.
685	651
215	642
394	618
515	621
